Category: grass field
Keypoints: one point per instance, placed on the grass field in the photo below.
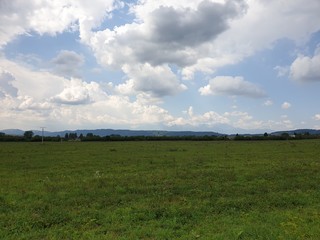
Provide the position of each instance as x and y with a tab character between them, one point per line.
160	190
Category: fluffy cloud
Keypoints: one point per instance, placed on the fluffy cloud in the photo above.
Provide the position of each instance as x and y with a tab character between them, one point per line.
208	119
50	17
256	30
167	33
268	103
57	102
230	121
67	63
180	28
159	81
6	87
317	117
286	105
193	35
200	35
244	120
75	92
75	104
305	68
112	111
29	103
165	41
164	34
38	84
282	71
232	86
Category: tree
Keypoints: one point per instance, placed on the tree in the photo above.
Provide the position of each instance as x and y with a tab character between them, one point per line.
28	135
73	136
285	135
89	135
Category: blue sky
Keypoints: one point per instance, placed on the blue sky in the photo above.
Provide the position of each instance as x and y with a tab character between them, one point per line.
232	66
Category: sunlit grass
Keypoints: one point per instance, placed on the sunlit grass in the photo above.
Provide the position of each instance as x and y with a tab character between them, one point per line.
160	190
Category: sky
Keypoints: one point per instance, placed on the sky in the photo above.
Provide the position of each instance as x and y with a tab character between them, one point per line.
229	66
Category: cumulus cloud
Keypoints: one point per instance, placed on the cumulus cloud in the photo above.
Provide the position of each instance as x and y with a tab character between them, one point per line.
180	28
232	86
6	83
244	120
77	92
165	38
91	105
68	63
29	82
167	33
51	17
235	120
286	105
159	81
194	35
317	117
114	111
208	119
29	103
292	20
72	103
305	68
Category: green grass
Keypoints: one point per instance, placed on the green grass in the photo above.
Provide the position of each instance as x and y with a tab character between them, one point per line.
160	190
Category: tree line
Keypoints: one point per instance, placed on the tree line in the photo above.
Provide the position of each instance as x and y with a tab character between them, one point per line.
29	136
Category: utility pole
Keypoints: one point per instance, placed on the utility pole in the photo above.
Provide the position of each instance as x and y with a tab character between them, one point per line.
42	132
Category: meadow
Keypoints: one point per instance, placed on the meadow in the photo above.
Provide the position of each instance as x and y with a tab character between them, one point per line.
160	190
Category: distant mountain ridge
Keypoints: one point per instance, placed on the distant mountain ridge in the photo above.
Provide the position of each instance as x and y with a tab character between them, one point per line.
132	133
120	132
15	132
298	131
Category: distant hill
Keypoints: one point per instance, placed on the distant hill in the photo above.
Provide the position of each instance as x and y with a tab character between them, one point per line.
14	132
298	131
133	133
109	132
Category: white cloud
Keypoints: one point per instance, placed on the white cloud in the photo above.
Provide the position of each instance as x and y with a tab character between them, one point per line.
159	81
62	103
232	86
112	111
292	20
282	71
305	68
268	103
165	38
38	84
50	17
164	33
230	122
28	103
75	92
208	119
185	27
193	35
244	120
317	117
286	105
6	87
